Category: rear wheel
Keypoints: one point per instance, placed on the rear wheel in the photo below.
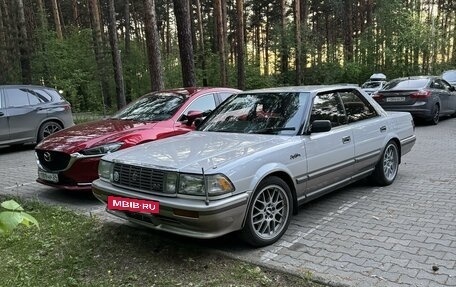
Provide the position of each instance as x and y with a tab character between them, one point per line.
269	213
435	115
47	129
386	169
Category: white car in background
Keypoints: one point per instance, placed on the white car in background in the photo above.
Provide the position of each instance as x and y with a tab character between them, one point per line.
254	161
375	83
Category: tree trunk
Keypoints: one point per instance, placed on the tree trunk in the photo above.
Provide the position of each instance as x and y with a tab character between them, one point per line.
348	31
298	42
202	52
127	50
99	53
221	42
184	36
153	46
116	60
75	11
283	44
240	44
24	51
57	21
3	58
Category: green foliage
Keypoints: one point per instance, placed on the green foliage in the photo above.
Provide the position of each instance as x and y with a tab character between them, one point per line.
69	65
13	215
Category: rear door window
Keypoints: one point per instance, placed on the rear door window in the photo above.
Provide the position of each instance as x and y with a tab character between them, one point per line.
16	97
355	107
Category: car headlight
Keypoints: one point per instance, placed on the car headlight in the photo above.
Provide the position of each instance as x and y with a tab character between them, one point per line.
193	184
102	149
105	170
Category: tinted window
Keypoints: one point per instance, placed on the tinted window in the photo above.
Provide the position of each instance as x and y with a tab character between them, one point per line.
406	84
371	85
328	107
355	107
16	97
436	84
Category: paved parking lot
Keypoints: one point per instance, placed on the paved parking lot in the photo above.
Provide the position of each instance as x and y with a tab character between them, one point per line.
362	235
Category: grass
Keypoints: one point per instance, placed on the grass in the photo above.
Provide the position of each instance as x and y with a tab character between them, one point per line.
74	250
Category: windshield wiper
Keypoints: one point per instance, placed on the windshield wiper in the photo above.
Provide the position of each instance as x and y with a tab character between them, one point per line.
272	130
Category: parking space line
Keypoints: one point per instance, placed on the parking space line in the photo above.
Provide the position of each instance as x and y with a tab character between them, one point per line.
269	255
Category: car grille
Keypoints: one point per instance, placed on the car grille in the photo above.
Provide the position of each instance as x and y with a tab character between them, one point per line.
147	180
53	160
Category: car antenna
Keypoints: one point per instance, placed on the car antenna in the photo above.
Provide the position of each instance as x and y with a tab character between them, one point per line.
206	191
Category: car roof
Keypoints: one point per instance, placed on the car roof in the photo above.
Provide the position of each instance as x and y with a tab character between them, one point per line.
416	78
26	86
300	89
189	91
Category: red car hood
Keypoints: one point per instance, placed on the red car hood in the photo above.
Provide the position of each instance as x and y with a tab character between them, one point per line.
91	134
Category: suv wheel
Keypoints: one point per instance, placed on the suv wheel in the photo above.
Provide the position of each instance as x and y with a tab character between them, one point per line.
47	129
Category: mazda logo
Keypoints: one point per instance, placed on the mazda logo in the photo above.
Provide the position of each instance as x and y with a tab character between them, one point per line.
47	156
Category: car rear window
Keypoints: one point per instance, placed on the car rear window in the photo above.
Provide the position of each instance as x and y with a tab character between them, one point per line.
406	84
449	76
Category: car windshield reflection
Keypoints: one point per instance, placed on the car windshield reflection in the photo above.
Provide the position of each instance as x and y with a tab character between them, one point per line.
152	107
263	113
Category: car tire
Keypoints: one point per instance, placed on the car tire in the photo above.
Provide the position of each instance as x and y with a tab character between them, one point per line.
387	167
47	129
269	212
434	120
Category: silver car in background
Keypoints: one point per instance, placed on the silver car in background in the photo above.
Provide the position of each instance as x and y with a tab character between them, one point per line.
30	113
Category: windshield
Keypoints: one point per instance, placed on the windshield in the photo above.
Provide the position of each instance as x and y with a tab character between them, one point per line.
152	107
258	113
371	85
406	84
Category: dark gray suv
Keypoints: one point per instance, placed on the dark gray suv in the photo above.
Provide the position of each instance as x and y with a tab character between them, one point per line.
30	113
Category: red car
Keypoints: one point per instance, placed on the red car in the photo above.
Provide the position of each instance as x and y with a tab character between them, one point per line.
69	159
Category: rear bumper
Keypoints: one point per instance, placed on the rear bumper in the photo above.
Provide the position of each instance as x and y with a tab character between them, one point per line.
215	219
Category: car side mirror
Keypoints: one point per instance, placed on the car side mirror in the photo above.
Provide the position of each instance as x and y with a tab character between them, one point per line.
452	88
191	116
198	122
319	126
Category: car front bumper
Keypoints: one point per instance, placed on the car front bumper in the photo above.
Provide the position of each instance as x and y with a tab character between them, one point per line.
183	216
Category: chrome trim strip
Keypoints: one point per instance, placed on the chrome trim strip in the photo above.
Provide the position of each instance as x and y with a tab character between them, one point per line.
408	140
325	170
366	156
73	158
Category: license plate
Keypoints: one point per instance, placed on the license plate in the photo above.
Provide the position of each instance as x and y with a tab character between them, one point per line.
395	99
48	176
133	205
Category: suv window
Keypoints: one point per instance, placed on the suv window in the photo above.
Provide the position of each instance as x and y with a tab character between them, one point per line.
355	107
328	107
16	97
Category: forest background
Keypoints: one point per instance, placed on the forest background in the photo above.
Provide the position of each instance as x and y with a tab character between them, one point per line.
105	53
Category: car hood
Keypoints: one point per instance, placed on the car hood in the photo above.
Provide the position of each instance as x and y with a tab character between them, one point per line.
92	134
196	150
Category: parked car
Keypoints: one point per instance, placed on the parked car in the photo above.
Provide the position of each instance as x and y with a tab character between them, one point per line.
450	77
375	83
69	159
30	113
254	160
425	97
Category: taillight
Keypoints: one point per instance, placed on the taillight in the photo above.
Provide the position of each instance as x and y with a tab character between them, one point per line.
377	97
421	95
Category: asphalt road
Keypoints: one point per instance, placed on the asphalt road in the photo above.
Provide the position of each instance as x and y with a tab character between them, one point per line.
361	235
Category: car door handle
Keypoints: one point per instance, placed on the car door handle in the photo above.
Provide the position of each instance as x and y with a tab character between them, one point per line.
346	139
383	129
1	114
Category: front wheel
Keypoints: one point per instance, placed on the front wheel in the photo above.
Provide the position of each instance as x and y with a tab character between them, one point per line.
386	169
269	213
47	129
